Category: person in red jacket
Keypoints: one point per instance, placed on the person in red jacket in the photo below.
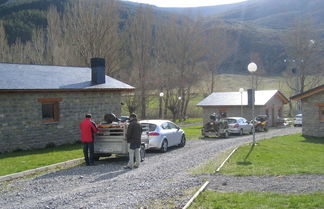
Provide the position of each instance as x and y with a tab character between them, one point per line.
88	128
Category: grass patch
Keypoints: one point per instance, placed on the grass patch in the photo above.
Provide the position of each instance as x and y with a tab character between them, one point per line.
211	165
192	132
25	160
293	154
255	200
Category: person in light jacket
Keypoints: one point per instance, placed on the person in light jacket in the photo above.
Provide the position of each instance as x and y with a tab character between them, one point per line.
133	135
88	129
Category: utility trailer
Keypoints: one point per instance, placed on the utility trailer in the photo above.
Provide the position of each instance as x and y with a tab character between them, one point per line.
111	139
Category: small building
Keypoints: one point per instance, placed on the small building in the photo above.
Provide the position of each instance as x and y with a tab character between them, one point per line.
312	102
231	104
42	105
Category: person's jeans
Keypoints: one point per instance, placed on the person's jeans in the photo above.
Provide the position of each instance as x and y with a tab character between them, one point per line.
88	147
131	153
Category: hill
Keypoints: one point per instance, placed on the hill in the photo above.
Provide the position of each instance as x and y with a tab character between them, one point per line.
256	25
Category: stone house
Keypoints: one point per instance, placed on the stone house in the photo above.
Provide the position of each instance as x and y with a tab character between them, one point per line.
42	105
231	104
312	102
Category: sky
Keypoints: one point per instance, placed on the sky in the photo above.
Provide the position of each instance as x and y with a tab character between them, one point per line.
186	3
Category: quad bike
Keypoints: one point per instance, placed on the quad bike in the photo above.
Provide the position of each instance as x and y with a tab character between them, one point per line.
261	123
217	127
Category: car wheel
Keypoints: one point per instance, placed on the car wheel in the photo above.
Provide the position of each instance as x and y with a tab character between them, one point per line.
183	141
241	132
164	146
142	153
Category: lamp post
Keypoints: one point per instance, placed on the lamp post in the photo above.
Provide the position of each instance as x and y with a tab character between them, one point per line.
252	68
161	113
241	90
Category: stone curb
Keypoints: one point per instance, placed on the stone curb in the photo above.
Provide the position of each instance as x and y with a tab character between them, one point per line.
202	188
218	169
36	170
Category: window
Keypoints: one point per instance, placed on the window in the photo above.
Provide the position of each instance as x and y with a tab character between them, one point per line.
321	116
50	109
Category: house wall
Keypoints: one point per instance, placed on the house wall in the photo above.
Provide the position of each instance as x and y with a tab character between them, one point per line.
311	122
275	109
22	127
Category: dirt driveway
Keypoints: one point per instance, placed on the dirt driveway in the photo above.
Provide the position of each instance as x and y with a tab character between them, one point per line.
160	178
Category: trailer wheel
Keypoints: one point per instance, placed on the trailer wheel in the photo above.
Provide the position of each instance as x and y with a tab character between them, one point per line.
142	153
96	157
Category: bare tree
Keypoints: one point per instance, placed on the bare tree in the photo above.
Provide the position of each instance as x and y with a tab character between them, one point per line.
303	60
4	48
91	30
219	46
140	30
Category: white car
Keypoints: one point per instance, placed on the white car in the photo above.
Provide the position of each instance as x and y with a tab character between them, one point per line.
163	134
239	125
298	120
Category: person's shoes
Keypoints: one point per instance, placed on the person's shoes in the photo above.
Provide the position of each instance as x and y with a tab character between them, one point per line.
127	167
91	164
87	164
135	166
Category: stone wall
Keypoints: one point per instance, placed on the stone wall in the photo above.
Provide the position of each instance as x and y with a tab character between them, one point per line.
22	127
311	121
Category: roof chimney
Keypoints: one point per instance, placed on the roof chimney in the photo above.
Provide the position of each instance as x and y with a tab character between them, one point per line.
98	70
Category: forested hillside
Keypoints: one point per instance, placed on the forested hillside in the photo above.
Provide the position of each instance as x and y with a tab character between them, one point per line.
168	50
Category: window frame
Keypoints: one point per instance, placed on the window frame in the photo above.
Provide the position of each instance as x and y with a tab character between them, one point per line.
320	112
56	108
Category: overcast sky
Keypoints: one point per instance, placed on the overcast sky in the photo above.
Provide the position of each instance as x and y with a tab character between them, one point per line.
186	3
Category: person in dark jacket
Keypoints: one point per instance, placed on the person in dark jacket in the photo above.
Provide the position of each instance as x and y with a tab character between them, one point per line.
88	129
133	135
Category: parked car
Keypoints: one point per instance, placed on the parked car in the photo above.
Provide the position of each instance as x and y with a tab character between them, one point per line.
163	134
298	120
239	125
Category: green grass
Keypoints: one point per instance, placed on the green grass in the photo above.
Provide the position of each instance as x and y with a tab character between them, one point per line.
192	132
293	154
24	160
255	200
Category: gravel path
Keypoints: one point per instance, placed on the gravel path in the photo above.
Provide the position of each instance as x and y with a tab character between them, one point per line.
161	177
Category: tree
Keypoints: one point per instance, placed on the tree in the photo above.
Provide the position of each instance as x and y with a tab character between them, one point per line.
303	60
91	30
4	48
140	31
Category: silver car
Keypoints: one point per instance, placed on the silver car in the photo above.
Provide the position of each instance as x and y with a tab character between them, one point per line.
239	125
298	120
163	134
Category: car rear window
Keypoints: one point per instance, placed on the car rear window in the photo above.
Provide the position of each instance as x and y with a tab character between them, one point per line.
299	116
230	121
148	126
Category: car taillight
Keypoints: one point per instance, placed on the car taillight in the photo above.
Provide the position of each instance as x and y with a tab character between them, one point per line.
236	126
154	134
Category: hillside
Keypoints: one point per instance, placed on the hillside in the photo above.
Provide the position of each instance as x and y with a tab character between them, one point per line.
256	25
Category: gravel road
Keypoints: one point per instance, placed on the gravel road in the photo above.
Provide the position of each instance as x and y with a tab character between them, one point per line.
160	178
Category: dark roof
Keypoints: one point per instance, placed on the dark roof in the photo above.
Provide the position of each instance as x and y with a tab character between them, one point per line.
45	77
234	98
308	93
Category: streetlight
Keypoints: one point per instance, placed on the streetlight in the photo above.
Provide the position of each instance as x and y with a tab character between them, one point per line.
241	90
252	68
161	115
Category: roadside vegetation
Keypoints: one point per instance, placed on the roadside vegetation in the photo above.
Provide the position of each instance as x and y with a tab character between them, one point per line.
25	160
256	200
284	155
